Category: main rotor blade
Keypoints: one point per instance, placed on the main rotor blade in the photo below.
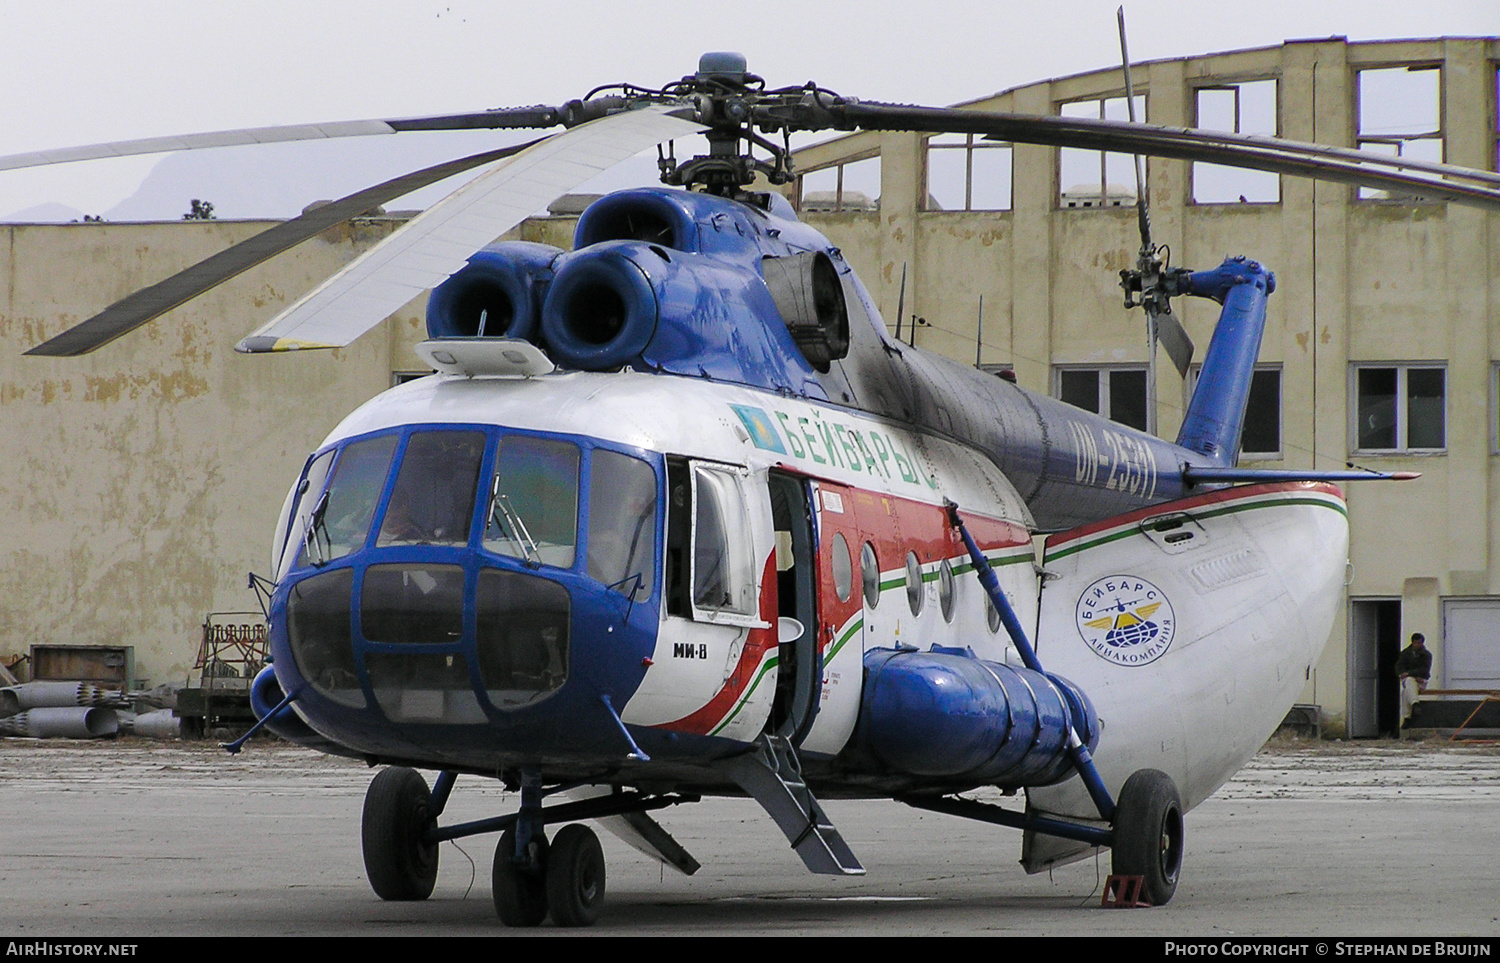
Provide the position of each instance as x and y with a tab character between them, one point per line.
439	241
500	117
1460	185
149	303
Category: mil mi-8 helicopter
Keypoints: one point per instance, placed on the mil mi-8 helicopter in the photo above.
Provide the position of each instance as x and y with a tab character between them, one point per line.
676	517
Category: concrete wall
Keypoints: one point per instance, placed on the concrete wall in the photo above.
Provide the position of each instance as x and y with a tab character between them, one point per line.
142	482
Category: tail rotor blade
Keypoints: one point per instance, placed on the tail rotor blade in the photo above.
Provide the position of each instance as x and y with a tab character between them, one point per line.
1171	336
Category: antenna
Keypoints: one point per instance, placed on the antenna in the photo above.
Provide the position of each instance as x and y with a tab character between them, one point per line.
979	335
901	301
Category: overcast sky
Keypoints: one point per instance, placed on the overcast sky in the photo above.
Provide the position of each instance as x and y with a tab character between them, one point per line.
84	71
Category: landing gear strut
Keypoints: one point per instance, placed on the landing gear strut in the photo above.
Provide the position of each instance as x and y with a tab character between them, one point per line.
519	882
531	878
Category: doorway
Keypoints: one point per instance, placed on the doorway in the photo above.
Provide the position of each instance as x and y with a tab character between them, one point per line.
1374	642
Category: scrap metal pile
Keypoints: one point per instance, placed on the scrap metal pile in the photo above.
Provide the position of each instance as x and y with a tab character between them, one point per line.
77	710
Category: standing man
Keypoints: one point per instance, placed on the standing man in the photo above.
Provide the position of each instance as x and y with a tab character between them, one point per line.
1413	669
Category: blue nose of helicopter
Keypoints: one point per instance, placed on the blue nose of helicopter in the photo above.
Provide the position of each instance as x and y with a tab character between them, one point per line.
475	597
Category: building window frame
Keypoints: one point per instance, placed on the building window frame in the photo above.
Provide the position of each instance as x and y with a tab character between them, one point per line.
839	206
970	144
1364	416
1107	107
1495	407
1396	142
1240	127
1108	382
1261	370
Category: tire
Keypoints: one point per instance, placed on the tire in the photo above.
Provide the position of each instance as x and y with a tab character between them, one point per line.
575	876
398	863
520	893
1149	834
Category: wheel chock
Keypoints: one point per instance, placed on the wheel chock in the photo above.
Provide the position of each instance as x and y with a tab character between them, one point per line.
1123	892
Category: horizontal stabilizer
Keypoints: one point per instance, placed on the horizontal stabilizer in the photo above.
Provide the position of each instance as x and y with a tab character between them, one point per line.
1195	475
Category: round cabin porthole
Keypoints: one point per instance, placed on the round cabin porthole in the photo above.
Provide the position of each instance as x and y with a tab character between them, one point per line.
869	571
945	590
914	583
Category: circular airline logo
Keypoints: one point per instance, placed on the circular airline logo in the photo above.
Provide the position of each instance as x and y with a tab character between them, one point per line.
1126	620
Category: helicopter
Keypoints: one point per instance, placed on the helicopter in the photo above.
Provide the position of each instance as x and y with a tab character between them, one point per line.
606	554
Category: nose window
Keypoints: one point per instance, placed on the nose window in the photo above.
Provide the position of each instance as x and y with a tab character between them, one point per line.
317	625
413	604
522	637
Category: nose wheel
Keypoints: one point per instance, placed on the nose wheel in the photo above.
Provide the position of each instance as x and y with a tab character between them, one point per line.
399	862
565	878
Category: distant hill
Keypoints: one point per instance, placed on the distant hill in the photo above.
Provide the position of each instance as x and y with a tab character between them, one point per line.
279	180
49	213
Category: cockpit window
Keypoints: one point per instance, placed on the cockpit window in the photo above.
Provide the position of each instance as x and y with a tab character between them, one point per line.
433	500
339	520
533	507
302	499
622	523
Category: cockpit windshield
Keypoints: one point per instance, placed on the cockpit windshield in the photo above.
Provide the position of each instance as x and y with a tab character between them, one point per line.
433	500
340	519
534	501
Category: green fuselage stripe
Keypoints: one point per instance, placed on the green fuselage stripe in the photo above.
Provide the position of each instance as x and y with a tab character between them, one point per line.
766	666
1130	530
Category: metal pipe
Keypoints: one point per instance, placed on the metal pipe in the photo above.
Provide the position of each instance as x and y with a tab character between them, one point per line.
1080	753
161	724
67	722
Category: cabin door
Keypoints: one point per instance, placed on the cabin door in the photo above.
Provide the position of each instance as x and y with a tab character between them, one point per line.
841	617
799	670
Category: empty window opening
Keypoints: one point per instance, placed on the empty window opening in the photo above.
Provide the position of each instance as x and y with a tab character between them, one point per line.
1400	110
849	186
1091	178
965	172
1243	108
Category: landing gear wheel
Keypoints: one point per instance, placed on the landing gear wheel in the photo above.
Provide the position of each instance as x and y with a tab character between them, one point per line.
1148	834
399	863
575	876
520	891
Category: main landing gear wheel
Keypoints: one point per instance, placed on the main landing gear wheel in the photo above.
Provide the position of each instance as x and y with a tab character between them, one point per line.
520	891
399	863
575	876
1148	834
